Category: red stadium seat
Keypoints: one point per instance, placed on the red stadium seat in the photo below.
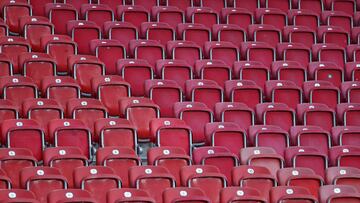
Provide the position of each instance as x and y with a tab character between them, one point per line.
304	17
128	194
343	176
338	193
12	47
202	15
82	32
346	135
195	32
174	69
59	14
283	5
345	156
316	6
38	6
70	195
289	70
351	71
316	114
283	91
18	195
188	51
121	31
265	33
215	70
149	50
171	15
333	34
294	52
77	3
244	91
147	4
8	110
235	112
238	16
4	29
99	14
12	11
271	16
251	5
161	32
291	193
182	5
322	92
338	18
348	114
329	52
278	114
229	33
258	51
6	66
225	51
181	194
133	14
300	34
326	71
229	194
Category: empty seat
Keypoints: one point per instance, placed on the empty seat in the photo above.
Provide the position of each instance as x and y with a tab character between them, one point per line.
305	156
215	70
237	16
18	195
316	114
196	115
301	177
226	134
316	6
304	17
70	133
183	4
322	92
172	158
283	91
12	47
244	91
300	34
82	32
346	135
37	66
249	5
133	14
202	15
329	52
355	34
181	194
99	14
294	52
164	93
171	15
66	159
109	52
4	29
188	51
265	33
59	14
195	32
313	136
205	177
6	66
258	51
121	31
139	111
333	34
326	71
77	3
270	114
42	180
147	4
161	32
235	112
271	16
135	72
153	179
83	68
97	180
206	91
225	51
12	11
290	71
70	195
8	110
343	176
229	194
128	194
338	18
338	193
265	136
345	156
59	47
13	161
120	159
352	71
214	4
348	114
352	52
341	5
291	193
229	33
262	156
149	50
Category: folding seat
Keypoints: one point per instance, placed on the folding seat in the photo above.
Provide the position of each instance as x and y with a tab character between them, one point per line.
171	132
128	194
352	52
59	47
306	156
283	5
237	16
13	161
206	91
70	133
256	177
205	177
218	156
271	16
161	32
152	179
164	93
59	14
149	50
228	33
70	195
352	71
120	159
215	70
196	115
313	136
338	193
225	51
188	51
77	3
182	5
233	194
322	92
36	66
338	18
194	32
333	34
171	15
171	158
283	91
98	180
300	177
244	91
65	159
12	47
98	14
326	71
83	68
316	114
265	33
292	193
82	32
108	51
181	194
12	11
147	4
17	195
262	156
139	111
226	134
133	14
346	135
258	51
306	18
316	6
300	34
214	4
174	69
345	156
6	66
8	110
249	5
348	114
202	15
42	180
135	72
120	31
329	52
343	176
4	29
289	71
235	112
297	52
355	34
